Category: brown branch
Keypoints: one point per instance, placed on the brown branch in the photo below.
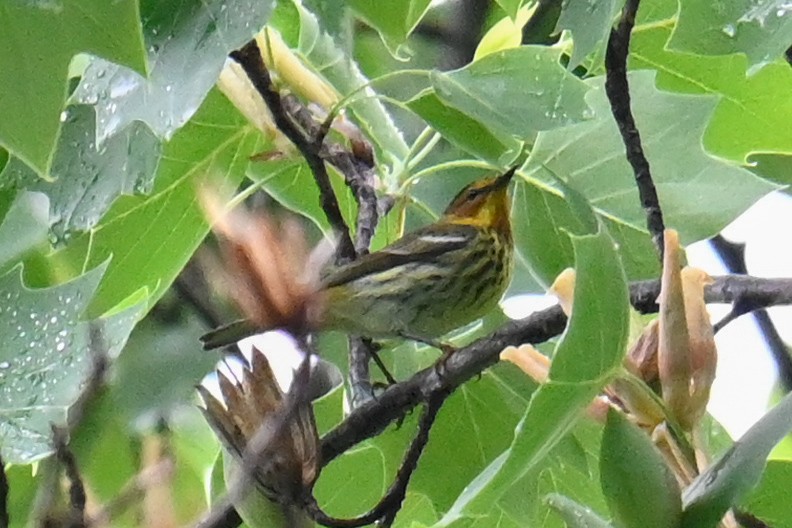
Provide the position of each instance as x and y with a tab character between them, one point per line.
249	57
733	256
76	487
371	418
357	166
618	91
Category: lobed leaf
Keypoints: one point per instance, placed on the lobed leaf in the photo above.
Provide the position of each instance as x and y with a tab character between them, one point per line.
751	110
517	91
699	194
47	354
761	29
88	179
38	41
187	44
150	238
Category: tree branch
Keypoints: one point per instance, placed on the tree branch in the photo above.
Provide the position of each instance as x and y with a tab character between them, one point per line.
76	488
371	418
733	257
249	57
618	91
357	166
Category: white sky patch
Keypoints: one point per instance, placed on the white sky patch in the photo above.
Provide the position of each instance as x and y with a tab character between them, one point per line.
281	351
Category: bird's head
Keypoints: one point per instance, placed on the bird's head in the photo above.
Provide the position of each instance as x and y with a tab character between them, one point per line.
483	203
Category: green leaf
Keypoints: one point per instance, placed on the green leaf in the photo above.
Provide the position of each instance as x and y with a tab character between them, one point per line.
773	167
87	179
571	469
187	43
584	360
769	501
22	488
510	6
291	183
151	237
590	23
589	157
394	20
464	132
160	367
46	355
103	448
327	58
506	33
750	111
726	481
37	43
351	483
335	20
475	425
518	91
640	488
542	220
575	515
761	29
23	228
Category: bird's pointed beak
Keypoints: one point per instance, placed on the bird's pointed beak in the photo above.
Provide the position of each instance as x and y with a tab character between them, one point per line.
504	179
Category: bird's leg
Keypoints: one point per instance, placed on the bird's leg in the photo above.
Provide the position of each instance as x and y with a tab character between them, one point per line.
374	348
446	348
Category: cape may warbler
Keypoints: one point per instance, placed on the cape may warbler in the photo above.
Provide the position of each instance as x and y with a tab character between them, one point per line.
427	283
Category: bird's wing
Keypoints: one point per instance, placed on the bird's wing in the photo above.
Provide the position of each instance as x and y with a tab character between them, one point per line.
424	244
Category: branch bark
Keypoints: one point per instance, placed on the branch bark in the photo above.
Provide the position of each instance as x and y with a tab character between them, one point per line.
618	91
249	57
373	417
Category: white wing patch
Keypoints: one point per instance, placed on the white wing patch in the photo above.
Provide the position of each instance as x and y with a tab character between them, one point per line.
444	239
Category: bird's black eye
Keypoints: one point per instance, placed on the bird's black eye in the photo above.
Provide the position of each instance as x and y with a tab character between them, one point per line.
472	194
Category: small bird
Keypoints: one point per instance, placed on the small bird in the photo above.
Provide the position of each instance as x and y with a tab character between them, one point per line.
426	284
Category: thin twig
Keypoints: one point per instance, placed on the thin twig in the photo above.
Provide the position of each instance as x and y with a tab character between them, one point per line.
371	418
249	57
359	375
76	487
618	91
133	491
387	508
298	125
358	171
733	256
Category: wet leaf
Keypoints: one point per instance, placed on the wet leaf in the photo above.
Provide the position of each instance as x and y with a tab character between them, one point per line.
187	44
517	91
46	356
38	41
88	179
